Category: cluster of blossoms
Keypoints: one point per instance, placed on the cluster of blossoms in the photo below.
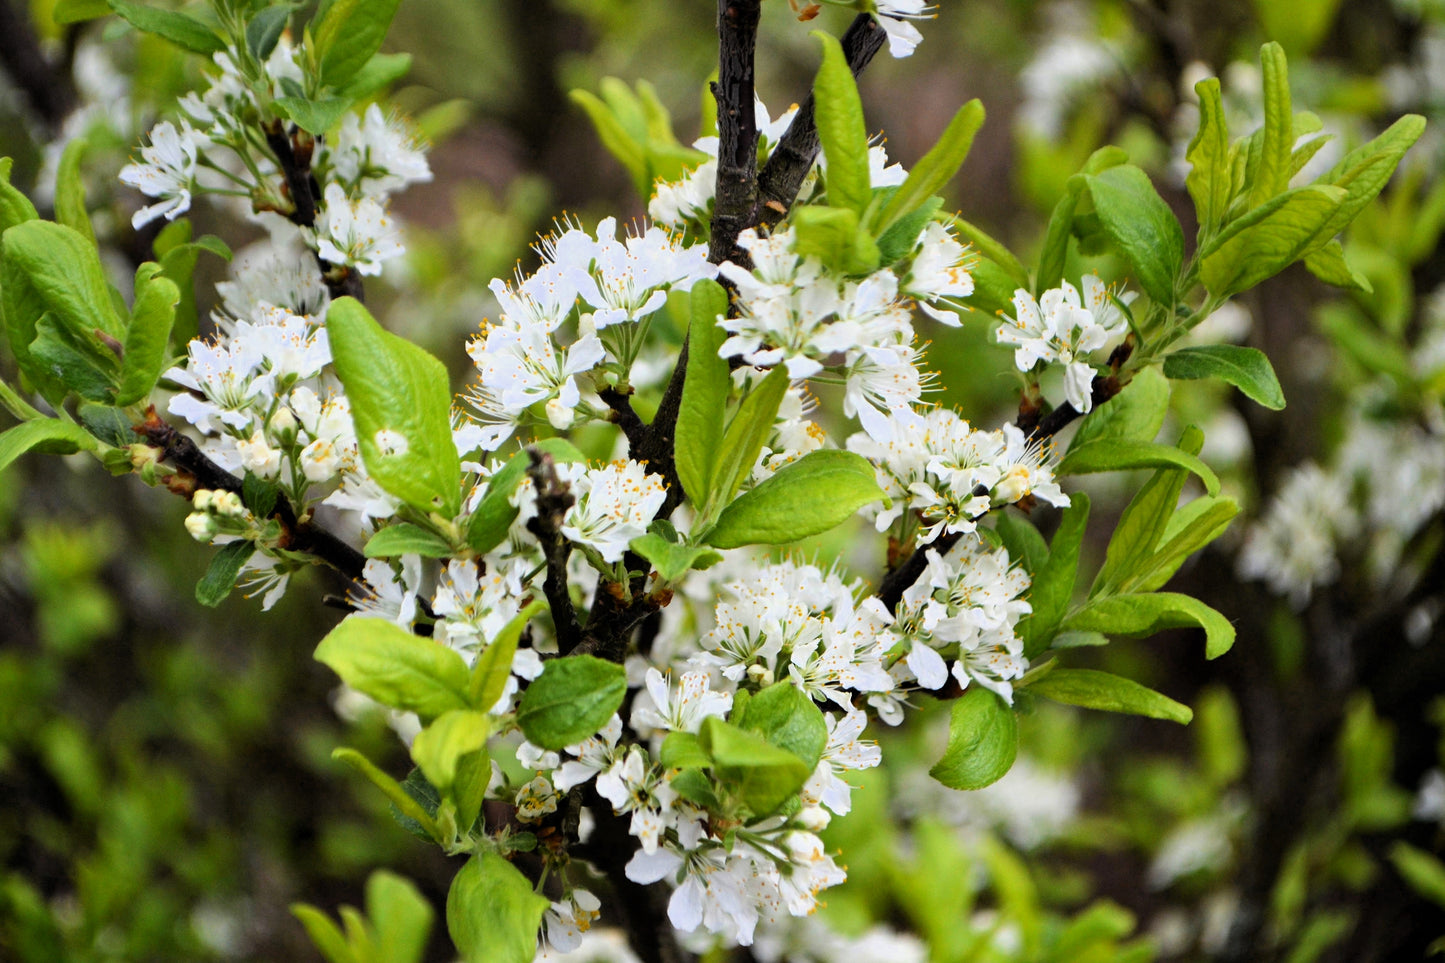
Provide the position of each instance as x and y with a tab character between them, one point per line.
214	150
1064	328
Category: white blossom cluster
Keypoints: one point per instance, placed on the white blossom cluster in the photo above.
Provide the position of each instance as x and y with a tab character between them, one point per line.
1062	327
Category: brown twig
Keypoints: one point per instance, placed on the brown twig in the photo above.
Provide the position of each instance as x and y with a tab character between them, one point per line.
294	149
553	500
737	124
625	418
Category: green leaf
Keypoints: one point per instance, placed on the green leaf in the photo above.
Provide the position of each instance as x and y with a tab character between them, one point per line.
393	790
259	496
222	572
572	699
1210	180
760	775
1246	368
1136	413
439	747
51	435
673	560
348	34
178	255
265	29
77	11
380	70
1024	543
1053	583
1330	266
787	718
179	28
704	393
743	440
1141	227
407	539
1269	239
77	361
993	250
493	915
313	116
1140	615
494	665
1142	525
1364	171
1423	871
426	798
1116	454
1055	250
681	750
70	190
1092	689
935	168
489	524
64	271
817	492
401	917
898	241
833	236
397	388
1270	175
396	668
325	935
1190	529
983	739
844	138
15	207
148	336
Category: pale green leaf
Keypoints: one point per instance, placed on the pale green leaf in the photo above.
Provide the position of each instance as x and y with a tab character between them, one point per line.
704	393
1116	454
493	914
1141	615
51	435
572	699
838	113
935	168
395	667
1141	227
983	739
1092	689
148	336
817	492
1246	368
180	29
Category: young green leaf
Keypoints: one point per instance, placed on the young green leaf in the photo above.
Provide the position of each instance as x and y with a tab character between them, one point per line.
704	393
682	750
1210	180
744	439
493	518
222	572
1330	266
1136	413
265	29
348	34
380	71
325	935
1364	171
1053	583
1423	871
316	117
259	495
148	335
1269	239
1024	543
63	270
983	739
570	700
400	916
439	747
401	406
993	250
1092	689
616	138
673	560
406	539
934	169
180	29
839	116
15	207
1246	368
1055	250
1116	454
70	190
76	360
787	718
494	665
78	11
493	914
50	435
1141	615
1190	529
1270	174
812	495
396	668
761	775
390	788
1141	227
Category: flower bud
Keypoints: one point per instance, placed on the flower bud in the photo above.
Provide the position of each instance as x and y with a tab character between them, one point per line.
814	818
760	674
559	414
143	456
228	504
201	501
200	525
283	425
1013	485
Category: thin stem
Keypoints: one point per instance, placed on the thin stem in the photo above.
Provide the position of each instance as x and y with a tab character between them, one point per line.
553	500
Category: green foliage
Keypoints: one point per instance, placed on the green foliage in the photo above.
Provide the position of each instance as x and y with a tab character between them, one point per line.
222	572
1110	693
817	492
181	29
983	740
395	667
704	393
492	913
759	775
1245	368
1141	227
839	115
488	525
636	128
347	34
395	929
571	700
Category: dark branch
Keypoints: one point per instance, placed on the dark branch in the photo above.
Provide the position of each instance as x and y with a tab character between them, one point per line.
47	86
737	159
790	162
200	472
1101	390
294	148
625	417
896	582
553	500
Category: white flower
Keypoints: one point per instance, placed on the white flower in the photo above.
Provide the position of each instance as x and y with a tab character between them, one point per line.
357	233
273	278
535	800
542	299
564	925
169	172
1292	547
614	504
471	607
625	281
389	593
1059	328
940	270
1027	470
893	17
694	702
378	153
520	367
844	751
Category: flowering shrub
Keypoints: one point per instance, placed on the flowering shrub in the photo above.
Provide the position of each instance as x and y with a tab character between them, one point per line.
606	676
